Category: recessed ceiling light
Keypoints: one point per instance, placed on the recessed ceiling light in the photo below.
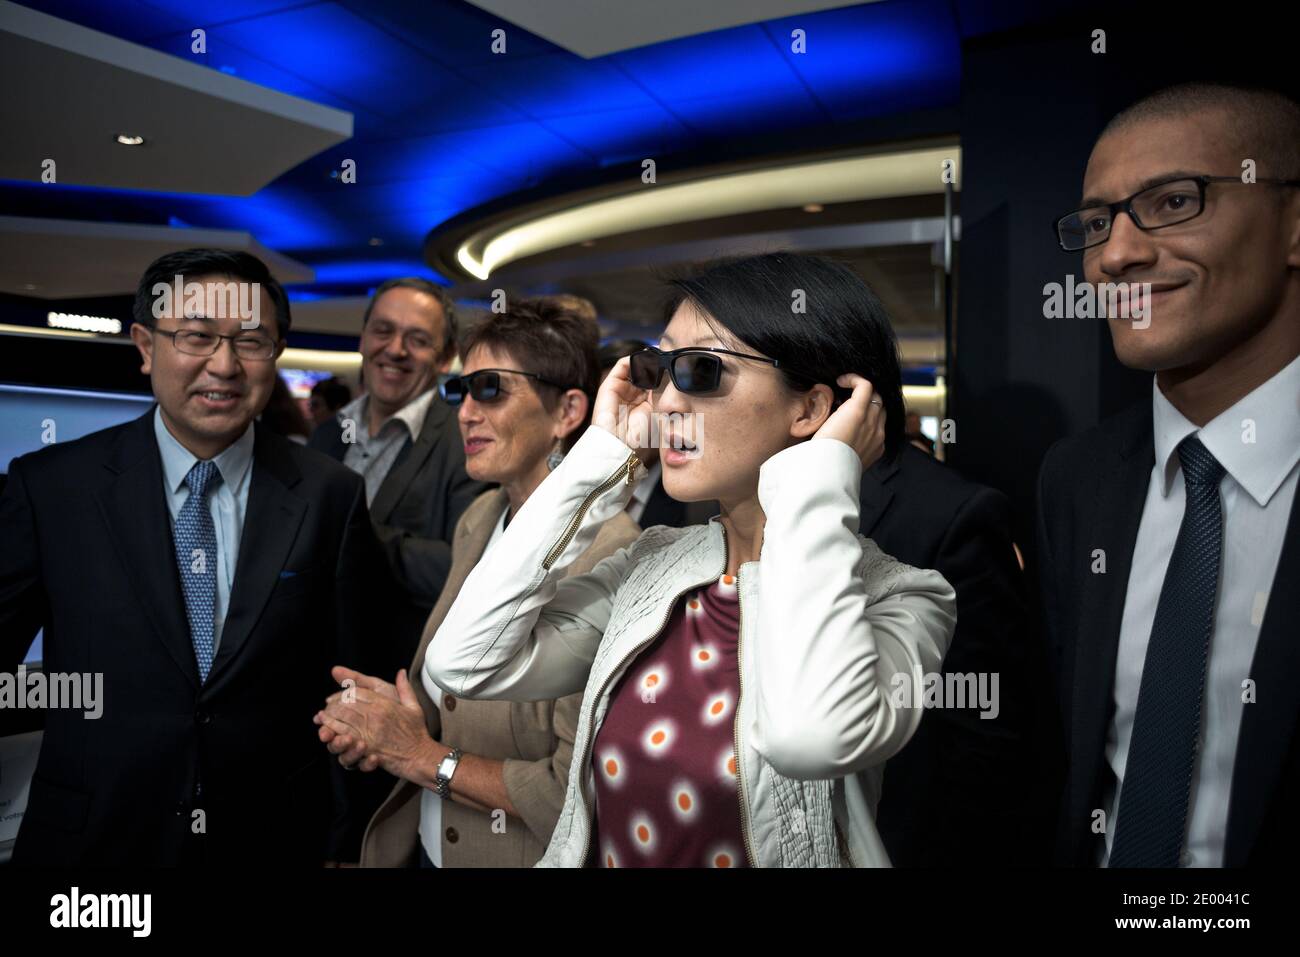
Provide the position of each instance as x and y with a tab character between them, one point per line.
130	139
813	207
29	286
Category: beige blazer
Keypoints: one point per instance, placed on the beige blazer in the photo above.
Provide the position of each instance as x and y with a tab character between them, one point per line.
533	738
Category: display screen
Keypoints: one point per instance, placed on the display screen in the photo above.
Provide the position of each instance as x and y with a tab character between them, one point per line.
32	417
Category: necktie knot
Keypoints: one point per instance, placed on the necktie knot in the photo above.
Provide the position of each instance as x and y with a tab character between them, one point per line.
1199	466
200	477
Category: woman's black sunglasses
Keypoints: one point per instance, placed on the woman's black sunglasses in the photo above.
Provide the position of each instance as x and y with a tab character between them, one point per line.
694	370
485	385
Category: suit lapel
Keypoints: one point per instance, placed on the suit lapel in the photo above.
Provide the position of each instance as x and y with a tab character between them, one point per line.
1122	477
1269	723
135	507
271	524
408	465
875	495
469	548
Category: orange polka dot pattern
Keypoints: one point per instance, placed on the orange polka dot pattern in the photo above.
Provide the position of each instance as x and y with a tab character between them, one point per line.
665	762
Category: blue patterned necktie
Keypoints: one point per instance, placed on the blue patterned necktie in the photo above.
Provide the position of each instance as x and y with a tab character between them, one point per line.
196	559
1153	800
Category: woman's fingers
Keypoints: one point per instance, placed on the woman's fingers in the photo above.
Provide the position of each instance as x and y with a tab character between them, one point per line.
859	421
620	406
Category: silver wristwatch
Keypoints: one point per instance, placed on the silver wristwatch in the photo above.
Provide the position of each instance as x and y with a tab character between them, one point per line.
446	768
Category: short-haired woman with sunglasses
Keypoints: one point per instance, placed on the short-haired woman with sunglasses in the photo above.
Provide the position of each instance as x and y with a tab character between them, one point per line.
745	681
482	782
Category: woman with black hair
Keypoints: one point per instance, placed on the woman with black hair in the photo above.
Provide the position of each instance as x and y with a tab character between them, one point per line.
745	680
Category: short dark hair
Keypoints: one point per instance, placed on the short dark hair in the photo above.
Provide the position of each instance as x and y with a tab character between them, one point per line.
578	306
334	392
1265	122
450	333
844	327
547	340
616	349
194	263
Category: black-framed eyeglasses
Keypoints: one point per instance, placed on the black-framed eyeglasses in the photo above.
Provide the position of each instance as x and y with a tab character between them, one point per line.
485	385
694	370
1164	204
194	342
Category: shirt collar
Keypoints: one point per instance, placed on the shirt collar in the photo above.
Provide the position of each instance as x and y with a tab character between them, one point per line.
412	415
1257	440
233	462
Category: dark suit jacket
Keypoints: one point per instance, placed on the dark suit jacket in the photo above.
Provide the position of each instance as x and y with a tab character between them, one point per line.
415	513
1091	493
953	795
89	556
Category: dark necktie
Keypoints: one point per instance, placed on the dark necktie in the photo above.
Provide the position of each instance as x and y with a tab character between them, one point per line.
196	559
1153	798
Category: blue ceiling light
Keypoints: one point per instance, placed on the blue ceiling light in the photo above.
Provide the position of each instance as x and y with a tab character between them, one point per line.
443	126
371	272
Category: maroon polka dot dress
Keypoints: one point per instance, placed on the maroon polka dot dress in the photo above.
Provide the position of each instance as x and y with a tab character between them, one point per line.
667	794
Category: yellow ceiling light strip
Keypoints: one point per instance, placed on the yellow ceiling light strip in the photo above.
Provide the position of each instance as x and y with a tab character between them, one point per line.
880	176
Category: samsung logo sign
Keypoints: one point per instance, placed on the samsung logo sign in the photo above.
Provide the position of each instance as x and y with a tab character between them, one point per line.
67	320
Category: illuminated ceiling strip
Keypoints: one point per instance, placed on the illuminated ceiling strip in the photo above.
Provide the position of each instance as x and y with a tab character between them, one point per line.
325	360
12	330
912	173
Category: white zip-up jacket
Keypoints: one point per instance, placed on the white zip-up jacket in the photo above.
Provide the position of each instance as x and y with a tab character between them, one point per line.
831	629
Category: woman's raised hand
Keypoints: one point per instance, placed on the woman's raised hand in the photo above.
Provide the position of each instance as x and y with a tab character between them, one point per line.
623	410
859	422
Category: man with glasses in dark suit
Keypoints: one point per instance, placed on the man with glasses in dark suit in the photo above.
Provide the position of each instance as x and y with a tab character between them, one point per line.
213	573
1168	535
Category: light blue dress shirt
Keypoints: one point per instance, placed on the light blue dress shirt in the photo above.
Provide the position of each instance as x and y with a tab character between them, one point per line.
228	502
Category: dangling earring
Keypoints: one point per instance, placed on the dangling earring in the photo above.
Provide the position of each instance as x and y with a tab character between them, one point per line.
554	459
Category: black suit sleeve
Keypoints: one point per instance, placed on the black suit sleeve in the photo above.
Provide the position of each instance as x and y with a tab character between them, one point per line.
981	767
364	593
24	606
1050	665
420	563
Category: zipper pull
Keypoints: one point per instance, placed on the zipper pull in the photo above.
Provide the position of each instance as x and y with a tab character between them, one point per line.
632	463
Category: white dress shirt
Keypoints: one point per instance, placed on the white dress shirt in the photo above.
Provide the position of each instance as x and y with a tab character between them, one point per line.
430	803
227	501
372	456
1257	441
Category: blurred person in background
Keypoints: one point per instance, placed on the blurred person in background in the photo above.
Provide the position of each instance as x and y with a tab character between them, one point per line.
327	397
283	414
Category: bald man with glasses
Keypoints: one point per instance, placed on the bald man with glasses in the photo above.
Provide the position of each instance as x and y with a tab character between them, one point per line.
1168	536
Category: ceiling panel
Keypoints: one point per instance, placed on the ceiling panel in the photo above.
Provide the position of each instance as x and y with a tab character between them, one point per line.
443	125
560	85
